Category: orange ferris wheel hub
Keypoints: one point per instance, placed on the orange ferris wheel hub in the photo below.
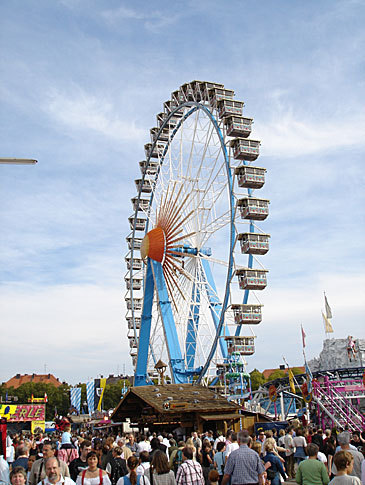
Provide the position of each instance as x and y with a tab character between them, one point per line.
153	245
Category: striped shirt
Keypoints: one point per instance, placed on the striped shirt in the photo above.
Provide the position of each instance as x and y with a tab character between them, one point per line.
190	473
244	466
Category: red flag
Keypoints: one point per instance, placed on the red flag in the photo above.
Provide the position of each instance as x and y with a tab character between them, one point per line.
303	336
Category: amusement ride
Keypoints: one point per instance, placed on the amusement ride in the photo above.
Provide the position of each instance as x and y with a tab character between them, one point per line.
193	269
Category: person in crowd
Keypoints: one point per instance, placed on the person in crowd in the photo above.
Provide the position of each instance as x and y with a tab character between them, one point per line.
189	472
317	439
300	445
144	445
22	456
232	446
213	477
144	462
53	473
117	466
78	464
93	475
38	471
312	471
159	472
67	451
344	442
344	462
243	462
190	444
220	437
155	446
220	459
132	478
132	445
31	460
176	457
18	476
207	459
289	452
276	468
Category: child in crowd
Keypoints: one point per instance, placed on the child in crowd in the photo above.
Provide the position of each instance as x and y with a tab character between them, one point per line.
344	462
213	477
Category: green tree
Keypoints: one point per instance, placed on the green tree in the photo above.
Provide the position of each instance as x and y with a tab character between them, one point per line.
277	374
257	379
297	370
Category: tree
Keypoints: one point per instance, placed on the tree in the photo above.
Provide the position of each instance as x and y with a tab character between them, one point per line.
277	374
257	379
297	370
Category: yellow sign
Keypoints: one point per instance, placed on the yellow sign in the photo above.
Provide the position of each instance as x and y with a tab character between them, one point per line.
23	412
37	424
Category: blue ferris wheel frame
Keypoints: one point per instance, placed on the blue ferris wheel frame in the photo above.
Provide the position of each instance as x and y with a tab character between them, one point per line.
182	373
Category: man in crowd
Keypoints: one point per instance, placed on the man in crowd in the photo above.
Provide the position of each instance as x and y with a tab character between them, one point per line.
189	472
312	470
79	464
244	465
289	453
38	471
344	442
53	474
22	454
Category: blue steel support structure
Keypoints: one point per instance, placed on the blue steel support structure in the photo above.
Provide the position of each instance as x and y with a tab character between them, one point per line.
177	364
214	304
141	377
192	330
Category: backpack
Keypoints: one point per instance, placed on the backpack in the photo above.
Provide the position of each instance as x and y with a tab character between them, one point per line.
178	459
119	469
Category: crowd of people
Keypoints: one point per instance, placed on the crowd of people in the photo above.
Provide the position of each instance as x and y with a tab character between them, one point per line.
307	455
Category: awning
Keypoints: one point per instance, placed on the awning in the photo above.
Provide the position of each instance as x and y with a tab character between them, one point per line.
220	417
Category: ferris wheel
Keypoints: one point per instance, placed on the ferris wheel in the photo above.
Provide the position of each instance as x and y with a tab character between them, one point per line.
193	273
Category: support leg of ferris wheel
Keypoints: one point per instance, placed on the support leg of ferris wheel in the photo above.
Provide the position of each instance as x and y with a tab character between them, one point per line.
214	304
141	377
177	364
193	327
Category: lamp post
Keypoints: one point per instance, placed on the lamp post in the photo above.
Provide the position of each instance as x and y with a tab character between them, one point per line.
18	161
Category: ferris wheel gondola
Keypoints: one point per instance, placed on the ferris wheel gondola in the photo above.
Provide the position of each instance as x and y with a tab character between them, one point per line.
191	228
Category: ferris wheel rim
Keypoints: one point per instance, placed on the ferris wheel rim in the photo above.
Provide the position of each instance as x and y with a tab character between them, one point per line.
194	106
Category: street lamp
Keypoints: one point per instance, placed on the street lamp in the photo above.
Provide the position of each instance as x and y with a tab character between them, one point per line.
18	161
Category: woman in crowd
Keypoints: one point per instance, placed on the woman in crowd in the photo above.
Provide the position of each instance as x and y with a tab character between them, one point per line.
93	475
159	472
132	478
276	468
18	476
300	445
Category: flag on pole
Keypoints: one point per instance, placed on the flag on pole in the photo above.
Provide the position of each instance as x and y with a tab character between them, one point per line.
303	336
327	324
291	381
309	377
76	398
328	308
90	389
102	389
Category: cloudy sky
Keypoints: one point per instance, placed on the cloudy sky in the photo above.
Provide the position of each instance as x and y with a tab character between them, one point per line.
81	83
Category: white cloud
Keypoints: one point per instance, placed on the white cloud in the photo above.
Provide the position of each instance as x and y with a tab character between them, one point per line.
153	20
77	330
288	134
82	111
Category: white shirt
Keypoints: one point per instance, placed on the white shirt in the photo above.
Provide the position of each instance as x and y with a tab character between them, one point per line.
231	447
144	446
220	438
62	481
143	467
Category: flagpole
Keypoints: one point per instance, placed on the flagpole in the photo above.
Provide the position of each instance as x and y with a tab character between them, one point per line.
294	379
